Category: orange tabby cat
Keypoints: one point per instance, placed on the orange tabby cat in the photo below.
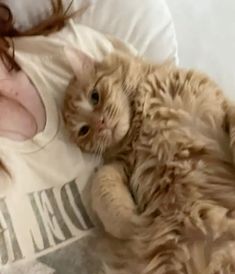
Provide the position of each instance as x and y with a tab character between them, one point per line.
166	192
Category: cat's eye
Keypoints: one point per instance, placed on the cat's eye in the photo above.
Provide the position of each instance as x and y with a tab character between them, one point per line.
83	131
95	97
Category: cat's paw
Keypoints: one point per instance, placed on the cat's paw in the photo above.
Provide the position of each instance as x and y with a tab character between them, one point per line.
122	230
131	227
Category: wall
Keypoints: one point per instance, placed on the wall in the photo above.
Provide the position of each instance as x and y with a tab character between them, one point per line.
206	36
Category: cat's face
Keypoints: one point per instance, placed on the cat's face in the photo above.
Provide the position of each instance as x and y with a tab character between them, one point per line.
97	109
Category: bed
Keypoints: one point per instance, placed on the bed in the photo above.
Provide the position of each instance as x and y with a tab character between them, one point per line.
148	26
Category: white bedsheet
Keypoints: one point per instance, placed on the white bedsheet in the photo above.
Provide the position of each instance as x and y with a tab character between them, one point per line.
146	24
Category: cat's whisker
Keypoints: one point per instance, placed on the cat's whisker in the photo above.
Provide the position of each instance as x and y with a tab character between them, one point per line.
100	148
113	112
96	151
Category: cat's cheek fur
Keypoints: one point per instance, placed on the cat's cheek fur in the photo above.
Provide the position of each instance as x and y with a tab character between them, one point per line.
121	130
123	123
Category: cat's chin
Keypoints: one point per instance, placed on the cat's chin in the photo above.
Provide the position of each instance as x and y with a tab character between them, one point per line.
113	135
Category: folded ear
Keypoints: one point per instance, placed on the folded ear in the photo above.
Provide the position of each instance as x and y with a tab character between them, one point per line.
82	65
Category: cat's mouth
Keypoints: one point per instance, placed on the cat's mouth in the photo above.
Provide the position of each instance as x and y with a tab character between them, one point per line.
111	133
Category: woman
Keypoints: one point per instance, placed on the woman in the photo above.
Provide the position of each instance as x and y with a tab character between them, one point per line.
42	216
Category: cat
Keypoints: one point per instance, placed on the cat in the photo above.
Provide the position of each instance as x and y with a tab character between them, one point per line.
165	194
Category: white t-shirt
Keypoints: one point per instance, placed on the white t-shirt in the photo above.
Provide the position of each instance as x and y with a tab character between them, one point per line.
42	216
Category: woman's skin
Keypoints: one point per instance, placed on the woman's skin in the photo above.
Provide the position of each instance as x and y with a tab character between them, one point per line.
22	113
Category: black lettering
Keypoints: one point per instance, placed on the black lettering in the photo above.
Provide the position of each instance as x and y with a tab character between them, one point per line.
8	240
84	221
42	229
55	218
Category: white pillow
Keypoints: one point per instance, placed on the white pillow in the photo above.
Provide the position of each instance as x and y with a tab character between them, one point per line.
146	24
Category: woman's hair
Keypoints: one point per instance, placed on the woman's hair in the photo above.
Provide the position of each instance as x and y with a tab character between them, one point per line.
7	29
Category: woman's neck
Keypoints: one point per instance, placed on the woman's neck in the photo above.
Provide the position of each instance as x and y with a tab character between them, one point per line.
21	109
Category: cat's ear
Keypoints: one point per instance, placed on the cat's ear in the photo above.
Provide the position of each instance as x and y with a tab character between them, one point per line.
82	65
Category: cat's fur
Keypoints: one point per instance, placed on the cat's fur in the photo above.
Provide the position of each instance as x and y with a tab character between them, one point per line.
166	193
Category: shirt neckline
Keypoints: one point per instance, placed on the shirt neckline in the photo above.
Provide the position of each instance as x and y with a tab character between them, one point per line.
42	138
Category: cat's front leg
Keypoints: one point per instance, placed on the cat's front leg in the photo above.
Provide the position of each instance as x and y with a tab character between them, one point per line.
112	201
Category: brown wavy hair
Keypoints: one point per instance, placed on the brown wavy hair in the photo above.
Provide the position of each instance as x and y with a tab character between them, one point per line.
8	30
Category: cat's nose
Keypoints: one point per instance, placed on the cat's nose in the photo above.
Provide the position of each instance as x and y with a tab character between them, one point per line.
100	124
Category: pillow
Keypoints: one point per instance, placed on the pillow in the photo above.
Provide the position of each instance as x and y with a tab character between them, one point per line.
147	25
